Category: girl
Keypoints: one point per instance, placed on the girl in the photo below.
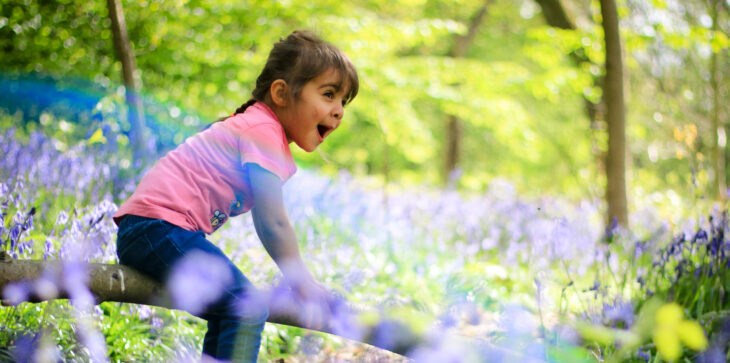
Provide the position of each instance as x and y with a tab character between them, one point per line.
237	165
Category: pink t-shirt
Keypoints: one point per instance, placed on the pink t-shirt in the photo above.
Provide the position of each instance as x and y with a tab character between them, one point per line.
204	181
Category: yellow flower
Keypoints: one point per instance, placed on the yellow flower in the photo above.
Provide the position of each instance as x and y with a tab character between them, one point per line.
691	334
672	329
669	315
667	343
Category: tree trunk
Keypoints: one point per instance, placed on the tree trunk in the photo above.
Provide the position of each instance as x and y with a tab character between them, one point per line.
453	147
124	51
613	94
453	124
719	138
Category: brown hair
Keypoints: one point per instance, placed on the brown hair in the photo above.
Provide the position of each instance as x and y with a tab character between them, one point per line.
299	58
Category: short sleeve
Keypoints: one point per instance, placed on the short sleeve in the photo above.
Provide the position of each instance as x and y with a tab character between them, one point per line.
265	145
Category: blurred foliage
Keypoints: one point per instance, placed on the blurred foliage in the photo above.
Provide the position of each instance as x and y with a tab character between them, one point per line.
519	94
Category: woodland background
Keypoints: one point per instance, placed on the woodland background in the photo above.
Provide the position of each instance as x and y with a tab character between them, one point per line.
481	167
457	92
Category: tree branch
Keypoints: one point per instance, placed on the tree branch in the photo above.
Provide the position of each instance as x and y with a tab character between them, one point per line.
120	283
555	14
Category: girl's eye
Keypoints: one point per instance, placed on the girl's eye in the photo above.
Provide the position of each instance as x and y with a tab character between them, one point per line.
329	94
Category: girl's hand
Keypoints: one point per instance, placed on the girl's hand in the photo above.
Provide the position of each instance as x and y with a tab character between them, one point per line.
315	301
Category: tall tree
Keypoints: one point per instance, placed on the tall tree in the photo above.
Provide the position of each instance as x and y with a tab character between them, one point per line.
557	17
719	139
125	53
453	124
613	94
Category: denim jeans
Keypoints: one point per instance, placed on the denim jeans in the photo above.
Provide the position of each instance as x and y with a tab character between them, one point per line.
153	246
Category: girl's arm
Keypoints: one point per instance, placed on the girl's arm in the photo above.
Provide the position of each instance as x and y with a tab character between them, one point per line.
277	234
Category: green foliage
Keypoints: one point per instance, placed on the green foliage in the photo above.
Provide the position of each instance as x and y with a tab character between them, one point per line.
518	93
198	61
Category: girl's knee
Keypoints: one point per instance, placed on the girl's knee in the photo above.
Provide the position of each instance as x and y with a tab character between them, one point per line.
253	309
248	308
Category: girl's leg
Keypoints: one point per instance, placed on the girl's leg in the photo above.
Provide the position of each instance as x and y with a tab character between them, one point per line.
235	320
240	341
235	324
210	341
240	315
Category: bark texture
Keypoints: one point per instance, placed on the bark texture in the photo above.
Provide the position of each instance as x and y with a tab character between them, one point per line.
719	139
119	283
555	14
613	93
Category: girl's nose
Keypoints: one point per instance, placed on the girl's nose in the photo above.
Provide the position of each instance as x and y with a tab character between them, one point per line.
337	113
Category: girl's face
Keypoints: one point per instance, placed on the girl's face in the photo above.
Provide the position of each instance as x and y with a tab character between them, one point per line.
317	111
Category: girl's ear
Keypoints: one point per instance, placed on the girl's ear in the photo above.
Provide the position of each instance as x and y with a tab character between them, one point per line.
279	92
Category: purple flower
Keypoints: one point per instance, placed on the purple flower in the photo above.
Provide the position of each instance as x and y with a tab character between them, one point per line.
448	320
198	280
311	344
157	323
48	249
62	218
25	347
701	235
16	293
143	312
14	236
643	355
45	287
713	354
392	335
620	312
74	280
2	223
28	224
343	321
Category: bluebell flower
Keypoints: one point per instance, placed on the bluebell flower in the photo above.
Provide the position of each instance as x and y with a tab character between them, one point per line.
619	312
643	355
14	236
390	335
713	354
16	293
447	320
311	344
198	280
2	224
74	281
701	235
25	348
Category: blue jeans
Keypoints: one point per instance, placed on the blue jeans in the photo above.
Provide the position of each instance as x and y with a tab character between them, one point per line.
153	246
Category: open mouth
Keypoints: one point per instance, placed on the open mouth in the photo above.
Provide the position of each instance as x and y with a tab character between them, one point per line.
322	130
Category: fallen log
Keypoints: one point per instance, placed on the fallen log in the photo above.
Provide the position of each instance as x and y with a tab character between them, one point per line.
118	283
